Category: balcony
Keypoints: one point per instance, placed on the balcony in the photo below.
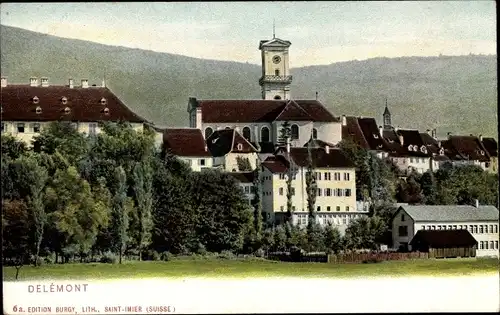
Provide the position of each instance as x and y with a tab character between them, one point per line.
275	78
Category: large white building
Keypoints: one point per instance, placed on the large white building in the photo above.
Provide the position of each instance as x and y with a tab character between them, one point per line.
336	186
28	108
480	221
260	121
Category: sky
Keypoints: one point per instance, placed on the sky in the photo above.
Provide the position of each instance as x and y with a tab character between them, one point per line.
320	32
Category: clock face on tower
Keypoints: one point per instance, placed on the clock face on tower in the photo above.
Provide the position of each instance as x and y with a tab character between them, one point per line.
276	59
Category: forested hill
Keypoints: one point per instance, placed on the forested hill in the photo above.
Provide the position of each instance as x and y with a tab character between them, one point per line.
454	94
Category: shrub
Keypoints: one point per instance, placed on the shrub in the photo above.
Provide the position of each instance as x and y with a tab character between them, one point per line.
225	254
109	258
165	256
372	261
260	253
50	259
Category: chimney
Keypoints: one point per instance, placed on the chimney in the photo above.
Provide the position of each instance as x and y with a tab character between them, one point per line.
45	82
344	120
449	134
287	145
433	133
327	149
85	83
480	136
33	81
4	82
381	131
103	83
477	203
401	139
70	83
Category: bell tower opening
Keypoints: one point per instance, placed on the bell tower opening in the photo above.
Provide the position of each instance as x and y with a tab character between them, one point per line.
277	97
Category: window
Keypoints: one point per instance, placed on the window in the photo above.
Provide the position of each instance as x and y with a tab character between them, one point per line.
475	229
481	230
471	229
346	176
347	208
282	175
36	127
282	208
449	227
347	192
103	101
496	244
202	162
240	147
336	176
491	228
422	227
318	175
106	111
264	134
295	132
38	110
402	218
281	191
20	127
92	128
318	208
411	159
492	245
328	176
496	228
338	208
293	191
459	227
328	192
246	133
481	245
247	189
339	192
403	231
3	127
433	227
36	100
328	208
293	208
315	133
208	132
344	221
319	192
277	97
64	100
485	244
276	72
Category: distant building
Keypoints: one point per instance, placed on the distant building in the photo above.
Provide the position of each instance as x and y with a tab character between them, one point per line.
28	108
491	146
336	186
480	221
445	243
188	145
231	152
466	150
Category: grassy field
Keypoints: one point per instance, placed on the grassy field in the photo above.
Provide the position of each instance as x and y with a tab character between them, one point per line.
252	268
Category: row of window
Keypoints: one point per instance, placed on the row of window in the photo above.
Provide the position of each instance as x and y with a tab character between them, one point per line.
473	229
328	192
36	128
264	133
318	208
492	245
302	219
417	160
317	176
200	162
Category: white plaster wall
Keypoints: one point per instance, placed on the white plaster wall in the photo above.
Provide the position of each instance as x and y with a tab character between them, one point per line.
329	131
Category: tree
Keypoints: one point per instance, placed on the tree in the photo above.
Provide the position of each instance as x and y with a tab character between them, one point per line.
30	179
314	234
120	222
333	239
257	203
285	133
143	187
429	188
243	164
12	148
15	233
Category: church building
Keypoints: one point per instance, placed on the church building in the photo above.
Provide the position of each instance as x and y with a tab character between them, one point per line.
260	120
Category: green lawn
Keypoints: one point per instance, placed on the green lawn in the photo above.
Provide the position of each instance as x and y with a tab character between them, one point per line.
251	268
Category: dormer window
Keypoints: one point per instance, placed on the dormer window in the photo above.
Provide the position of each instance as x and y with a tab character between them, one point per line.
36	100
375	136
67	110
441	152
240	146
106	111
415	148
482	152
103	101
410	148
423	149
38	110
64	100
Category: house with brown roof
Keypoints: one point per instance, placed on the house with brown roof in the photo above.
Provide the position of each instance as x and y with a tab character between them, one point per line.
364	132
335	179
188	145
231	151
466	150
28	108
491	146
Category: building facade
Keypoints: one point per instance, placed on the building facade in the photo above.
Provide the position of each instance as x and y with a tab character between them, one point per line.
480	221
28	108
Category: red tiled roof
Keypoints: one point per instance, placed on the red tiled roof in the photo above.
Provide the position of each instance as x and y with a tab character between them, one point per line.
490	144
371	133
443	238
187	142
222	142
84	104
316	143
334	159
232	111
293	111
276	164
431	143
353	131
465	148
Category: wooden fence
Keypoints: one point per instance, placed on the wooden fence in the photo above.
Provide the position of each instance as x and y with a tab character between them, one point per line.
452	252
374	256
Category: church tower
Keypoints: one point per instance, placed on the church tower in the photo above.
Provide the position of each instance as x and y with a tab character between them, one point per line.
276	79
387	117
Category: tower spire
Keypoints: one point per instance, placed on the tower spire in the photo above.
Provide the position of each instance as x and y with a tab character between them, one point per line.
274	28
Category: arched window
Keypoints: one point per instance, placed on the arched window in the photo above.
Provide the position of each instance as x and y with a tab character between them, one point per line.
228	128
264	135
295	132
277	97
246	133
208	132
315	133
277	72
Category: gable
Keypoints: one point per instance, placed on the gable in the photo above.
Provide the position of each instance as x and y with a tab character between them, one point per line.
293	112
